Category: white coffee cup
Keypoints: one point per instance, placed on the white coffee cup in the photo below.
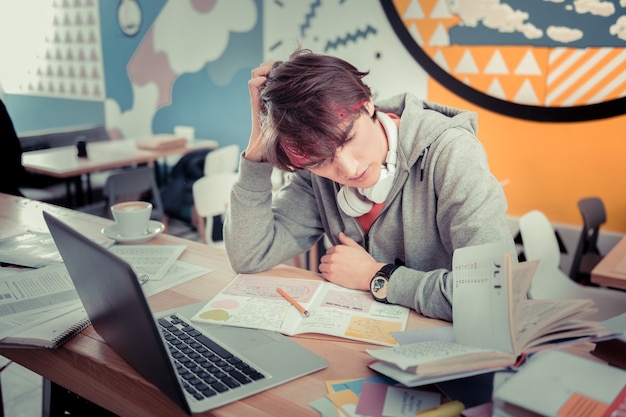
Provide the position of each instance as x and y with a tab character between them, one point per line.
132	217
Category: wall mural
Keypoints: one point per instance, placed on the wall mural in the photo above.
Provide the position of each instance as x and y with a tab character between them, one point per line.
64	47
541	60
184	64
356	31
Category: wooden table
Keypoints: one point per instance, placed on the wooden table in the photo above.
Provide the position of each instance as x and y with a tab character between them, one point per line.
90	368
611	271
63	162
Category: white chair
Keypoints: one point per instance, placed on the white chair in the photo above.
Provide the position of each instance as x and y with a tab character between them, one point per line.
222	159
550	282
211	196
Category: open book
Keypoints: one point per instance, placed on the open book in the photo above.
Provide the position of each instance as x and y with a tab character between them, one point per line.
494	324
253	301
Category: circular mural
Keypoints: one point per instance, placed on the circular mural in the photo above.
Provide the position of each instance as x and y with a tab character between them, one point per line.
557	60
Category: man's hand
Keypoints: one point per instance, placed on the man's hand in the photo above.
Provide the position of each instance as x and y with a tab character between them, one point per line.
255	149
349	265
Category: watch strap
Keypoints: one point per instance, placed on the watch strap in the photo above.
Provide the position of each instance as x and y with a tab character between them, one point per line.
387	270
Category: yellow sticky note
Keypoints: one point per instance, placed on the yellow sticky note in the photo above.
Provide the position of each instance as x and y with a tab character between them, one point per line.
345	401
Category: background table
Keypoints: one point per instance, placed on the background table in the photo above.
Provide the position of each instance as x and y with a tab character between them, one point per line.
90	368
63	162
611	271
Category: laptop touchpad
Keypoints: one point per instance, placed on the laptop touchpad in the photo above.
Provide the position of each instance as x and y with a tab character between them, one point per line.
244	339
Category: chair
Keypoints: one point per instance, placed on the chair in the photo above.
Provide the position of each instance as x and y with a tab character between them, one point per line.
176	191
587	254
211	196
130	184
550	282
222	159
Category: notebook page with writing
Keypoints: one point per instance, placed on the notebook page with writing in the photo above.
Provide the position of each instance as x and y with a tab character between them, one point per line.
482	313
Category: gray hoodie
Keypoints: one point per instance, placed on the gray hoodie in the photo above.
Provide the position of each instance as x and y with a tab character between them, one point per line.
444	197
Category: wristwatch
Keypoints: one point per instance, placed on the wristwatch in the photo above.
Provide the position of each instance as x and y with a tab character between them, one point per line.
379	285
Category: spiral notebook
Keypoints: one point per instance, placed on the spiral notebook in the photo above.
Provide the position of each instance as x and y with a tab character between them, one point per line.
52	333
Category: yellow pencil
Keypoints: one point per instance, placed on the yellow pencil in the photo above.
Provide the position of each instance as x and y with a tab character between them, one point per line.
293	302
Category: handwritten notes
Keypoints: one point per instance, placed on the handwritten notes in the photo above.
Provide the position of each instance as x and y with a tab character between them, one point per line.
252	301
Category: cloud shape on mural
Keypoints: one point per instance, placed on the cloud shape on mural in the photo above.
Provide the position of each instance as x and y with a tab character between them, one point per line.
179	25
594	7
564	34
619	28
495	15
136	121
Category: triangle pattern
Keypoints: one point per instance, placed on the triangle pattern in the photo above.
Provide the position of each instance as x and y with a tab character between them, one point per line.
414	11
495	89
415	34
440	36
526	94
440	60
441	10
467	65
528	65
496	64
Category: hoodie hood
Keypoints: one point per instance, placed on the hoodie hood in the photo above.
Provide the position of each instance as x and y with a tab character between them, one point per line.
427	122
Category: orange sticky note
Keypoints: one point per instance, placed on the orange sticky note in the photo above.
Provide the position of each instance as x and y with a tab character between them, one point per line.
580	405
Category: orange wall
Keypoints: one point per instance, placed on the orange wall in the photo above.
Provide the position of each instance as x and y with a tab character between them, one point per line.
550	166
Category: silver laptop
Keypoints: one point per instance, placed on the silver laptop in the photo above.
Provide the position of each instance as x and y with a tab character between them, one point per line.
200	367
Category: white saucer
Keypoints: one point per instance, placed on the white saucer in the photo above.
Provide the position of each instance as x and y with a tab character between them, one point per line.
154	228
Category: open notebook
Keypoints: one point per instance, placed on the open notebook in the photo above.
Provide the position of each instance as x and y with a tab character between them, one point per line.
236	363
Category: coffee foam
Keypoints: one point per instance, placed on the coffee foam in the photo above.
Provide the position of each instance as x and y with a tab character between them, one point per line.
131	206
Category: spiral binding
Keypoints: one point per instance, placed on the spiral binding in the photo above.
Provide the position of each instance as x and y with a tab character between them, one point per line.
70	332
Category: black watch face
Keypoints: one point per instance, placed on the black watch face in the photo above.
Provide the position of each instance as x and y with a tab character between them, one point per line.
379	288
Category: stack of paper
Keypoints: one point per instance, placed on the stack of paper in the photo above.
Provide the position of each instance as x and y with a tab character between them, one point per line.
39	307
374	397
556	383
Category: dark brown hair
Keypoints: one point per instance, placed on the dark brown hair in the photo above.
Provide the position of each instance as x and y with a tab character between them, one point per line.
310	103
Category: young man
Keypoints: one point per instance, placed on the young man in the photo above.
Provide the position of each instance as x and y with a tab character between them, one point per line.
396	186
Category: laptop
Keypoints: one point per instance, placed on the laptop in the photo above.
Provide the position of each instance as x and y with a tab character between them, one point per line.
232	363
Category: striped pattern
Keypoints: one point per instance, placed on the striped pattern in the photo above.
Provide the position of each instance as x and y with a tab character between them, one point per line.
585	76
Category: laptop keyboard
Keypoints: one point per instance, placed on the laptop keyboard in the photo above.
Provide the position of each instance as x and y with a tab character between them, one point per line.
204	367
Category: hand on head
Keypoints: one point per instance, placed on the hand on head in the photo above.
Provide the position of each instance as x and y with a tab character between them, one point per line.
254	151
348	264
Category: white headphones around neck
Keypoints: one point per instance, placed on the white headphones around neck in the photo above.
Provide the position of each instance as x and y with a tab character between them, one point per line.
357	201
